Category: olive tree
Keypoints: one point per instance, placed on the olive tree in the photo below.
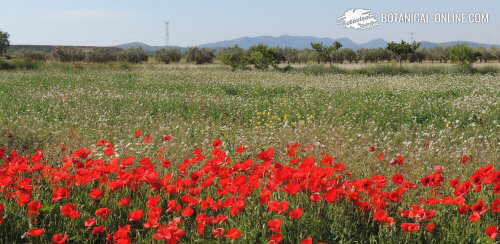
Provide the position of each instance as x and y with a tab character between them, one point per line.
168	55
403	49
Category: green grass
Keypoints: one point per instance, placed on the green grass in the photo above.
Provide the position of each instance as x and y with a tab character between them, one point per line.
340	113
394	69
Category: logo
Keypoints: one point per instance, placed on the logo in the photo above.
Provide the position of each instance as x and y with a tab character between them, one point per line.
359	19
362	19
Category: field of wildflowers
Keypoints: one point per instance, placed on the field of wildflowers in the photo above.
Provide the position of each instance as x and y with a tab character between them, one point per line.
205	155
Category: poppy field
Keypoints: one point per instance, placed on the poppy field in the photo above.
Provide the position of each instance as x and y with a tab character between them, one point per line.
178	154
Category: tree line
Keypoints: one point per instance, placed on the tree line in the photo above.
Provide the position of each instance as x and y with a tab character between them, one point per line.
262	56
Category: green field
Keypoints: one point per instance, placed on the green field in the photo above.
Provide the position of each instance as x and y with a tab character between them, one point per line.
431	119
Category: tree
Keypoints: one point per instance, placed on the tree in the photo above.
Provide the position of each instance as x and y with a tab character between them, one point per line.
462	54
235	57
321	51
326	53
262	57
199	55
133	55
402	50
168	55
4	42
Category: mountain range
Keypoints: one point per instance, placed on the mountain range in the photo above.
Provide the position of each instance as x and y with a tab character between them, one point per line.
301	42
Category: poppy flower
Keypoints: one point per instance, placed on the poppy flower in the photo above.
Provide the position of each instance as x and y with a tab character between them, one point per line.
410	227
147	139
35	232
96	193
491	231
138	133
308	240
103	213
135	215
98	229
219	232
90	222
233	233
295	213
124	201
274	225
59	194
429	227
464	159
276	238
59	239
69	210
187	212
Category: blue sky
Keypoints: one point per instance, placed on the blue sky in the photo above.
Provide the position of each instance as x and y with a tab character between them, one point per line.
106	22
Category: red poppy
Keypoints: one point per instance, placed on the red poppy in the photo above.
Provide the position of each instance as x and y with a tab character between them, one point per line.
124	201
274	225
138	133
410	227
103	213
33	208
233	233
295	213
187	212
429	227
59	194
398	179
219	232
464	159
147	139
90	222
98	229
308	240
96	193
276	238
167	138
136	215
35	232
69	210
491	231
59	239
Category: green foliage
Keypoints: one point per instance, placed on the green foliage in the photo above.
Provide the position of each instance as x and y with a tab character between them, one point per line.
18	63
4	42
261	56
68	54
101	55
133	55
34	55
462	54
403	49
168	55
199	55
235	57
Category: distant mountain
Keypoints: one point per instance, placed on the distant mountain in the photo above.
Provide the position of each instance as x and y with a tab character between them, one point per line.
301	42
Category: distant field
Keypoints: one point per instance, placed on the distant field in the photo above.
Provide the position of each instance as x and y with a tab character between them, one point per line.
432	120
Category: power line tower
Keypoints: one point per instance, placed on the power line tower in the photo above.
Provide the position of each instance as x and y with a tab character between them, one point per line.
167	33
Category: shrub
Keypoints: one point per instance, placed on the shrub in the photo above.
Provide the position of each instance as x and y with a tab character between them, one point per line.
235	57
262	57
133	55
462	55
68	54
168	55
34	55
199	55
101	55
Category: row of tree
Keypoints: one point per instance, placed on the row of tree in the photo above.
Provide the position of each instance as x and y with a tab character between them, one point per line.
263	57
